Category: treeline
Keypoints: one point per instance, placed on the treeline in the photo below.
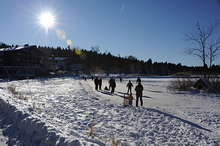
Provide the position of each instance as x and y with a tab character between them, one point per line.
94	61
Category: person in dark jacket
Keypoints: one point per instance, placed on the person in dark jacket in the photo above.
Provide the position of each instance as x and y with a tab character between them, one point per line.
96	81
100	83
139	89
138	80
129	85
113	85
110	82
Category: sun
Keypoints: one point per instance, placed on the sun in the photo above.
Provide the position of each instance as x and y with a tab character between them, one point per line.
47	20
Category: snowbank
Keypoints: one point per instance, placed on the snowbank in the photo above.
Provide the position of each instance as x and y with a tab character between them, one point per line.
26	129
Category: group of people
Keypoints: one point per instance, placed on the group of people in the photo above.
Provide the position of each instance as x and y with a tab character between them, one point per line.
112	85
139	91
98	83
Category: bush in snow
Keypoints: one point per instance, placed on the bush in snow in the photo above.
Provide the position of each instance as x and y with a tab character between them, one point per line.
186	84
113	141
180	84
215	85
181	74
14	91
92	128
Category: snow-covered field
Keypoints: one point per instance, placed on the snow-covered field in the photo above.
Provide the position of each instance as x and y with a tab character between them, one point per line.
66	108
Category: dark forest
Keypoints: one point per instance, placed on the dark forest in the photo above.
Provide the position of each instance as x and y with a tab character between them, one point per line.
94	61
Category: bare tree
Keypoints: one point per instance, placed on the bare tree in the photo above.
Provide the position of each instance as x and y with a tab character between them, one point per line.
95	49
214	49
204	43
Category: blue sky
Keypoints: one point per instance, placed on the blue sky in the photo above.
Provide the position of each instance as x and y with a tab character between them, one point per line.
141	28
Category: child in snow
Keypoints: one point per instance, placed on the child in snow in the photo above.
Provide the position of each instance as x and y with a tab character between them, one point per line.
106	88
130	98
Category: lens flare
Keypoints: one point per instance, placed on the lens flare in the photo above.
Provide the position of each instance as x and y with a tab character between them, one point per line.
83	56
61	34
78	51
69	42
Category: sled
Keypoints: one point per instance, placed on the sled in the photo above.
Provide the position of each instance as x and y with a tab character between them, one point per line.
126	100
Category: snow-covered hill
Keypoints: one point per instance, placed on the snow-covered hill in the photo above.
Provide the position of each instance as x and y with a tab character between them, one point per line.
66	109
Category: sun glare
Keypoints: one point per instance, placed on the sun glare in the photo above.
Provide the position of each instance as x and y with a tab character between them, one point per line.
47	20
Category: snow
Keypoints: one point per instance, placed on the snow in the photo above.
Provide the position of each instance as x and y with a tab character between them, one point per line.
14	48
67	107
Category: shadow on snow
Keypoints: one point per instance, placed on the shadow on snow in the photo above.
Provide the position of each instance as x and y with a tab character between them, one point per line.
120	94
183	120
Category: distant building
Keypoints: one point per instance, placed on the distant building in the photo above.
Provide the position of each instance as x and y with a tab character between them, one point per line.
64	63
23	61
61	62
201	83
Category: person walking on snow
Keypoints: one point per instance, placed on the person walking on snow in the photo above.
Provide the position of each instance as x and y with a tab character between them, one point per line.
113	85
96	81
110	82
129	85
100	83
139	89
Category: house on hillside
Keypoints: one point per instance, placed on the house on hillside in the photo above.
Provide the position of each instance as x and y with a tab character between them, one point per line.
23	61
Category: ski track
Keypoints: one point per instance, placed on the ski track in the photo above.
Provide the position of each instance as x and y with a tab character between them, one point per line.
68	106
